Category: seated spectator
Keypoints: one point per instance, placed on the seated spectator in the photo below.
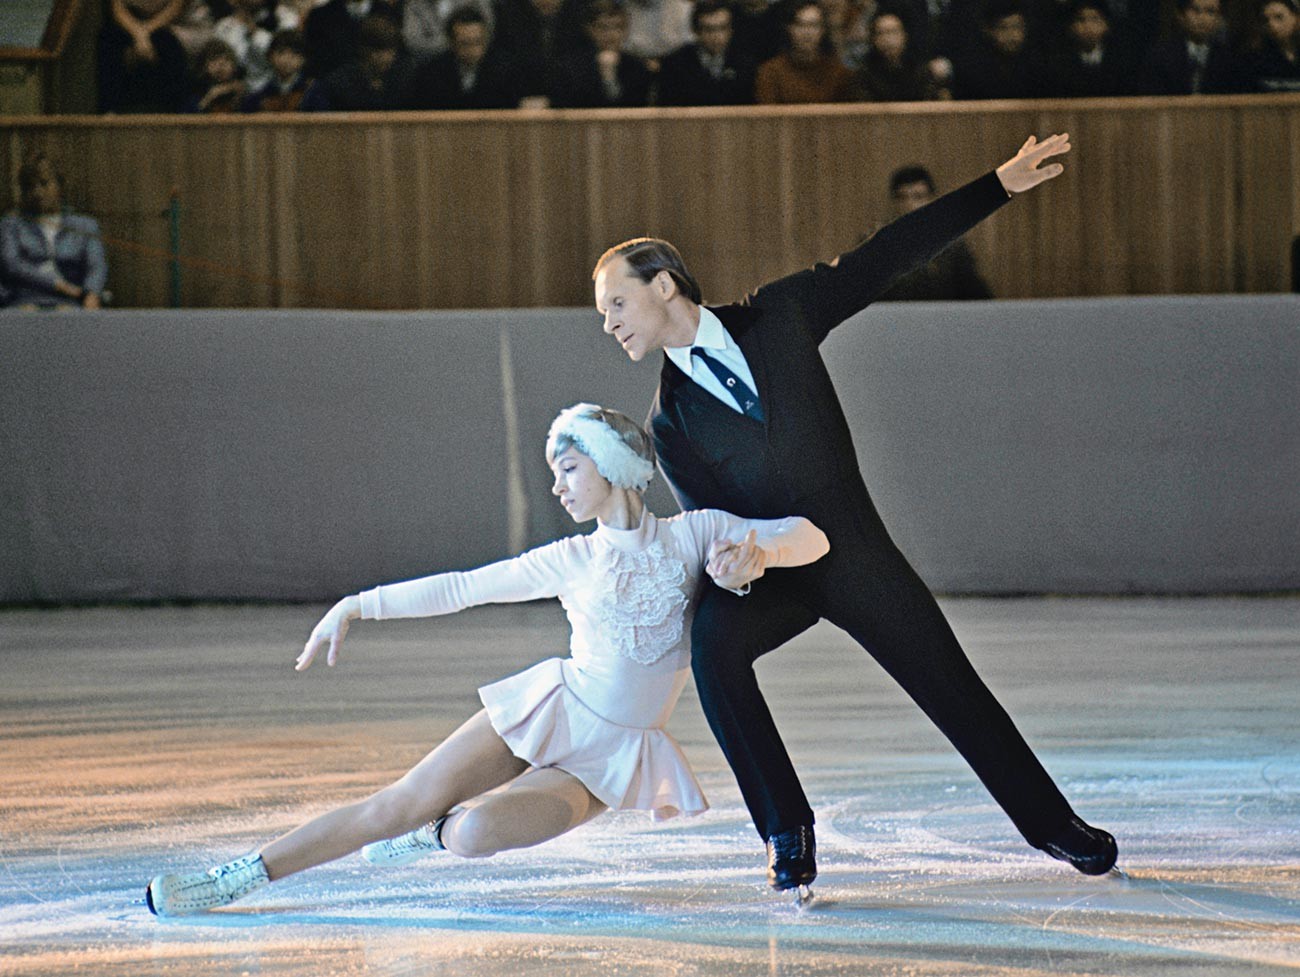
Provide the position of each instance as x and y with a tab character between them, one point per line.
759	33
1196	59
535	36
142	66
221	89
1086	63
806	71
469	74
600	74
710	70
656	28
288	87
426	23
950	276
1002	65
892	72
248	29
50	257
847	30
332	31
1273	65
376	80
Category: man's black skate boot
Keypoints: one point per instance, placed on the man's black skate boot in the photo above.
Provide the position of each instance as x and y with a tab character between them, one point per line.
1090	850
792	858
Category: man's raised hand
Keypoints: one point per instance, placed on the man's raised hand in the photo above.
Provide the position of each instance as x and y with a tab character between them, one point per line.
1022	172
330	632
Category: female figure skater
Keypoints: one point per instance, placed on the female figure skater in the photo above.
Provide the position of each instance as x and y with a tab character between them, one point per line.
567	738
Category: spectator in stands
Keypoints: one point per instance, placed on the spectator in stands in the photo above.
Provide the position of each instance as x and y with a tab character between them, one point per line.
710	70
601	74
1003	65
656	28
1086	62
759	33
806	71
1273	64
893	73
535	36
378	79
1196	59
847	30
426	24
332	31
289	85
220	87
952	275
142	66
248	29
50	257
469	74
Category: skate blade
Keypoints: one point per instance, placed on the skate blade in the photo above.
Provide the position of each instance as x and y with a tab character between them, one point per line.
803	897
1115	872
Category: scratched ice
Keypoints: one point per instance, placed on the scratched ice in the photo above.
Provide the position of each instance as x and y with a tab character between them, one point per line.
136	741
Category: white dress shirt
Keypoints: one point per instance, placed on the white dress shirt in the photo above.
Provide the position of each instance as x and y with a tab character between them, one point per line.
713	336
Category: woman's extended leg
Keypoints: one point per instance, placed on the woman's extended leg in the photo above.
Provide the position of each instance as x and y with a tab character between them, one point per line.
472	760
537	806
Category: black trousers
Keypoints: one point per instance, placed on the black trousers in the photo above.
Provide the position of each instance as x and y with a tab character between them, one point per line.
865	586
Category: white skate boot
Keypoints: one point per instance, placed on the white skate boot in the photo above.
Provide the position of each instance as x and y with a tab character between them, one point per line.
406	848
183	895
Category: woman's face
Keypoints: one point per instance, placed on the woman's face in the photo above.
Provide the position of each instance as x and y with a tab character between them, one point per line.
806	30
45	195
582	490
221	69
1280	23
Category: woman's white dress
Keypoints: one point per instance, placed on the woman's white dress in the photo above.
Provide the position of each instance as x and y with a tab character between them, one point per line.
600	713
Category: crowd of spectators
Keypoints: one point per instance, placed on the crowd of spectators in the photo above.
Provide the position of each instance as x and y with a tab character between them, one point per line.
314	55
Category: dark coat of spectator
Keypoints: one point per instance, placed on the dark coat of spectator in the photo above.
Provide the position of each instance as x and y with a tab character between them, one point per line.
1196	59
469	74
49	255
1088	61
1273	65
893	72
600	74
534	36
142	66
377	79
332	31
711	70
1002	64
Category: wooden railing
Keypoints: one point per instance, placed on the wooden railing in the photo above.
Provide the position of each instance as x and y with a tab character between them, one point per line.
510	209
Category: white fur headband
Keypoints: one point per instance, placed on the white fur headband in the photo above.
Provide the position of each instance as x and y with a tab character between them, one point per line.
614	458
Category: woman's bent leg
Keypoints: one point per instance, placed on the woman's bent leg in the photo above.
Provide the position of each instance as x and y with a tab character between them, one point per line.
472	760
537	806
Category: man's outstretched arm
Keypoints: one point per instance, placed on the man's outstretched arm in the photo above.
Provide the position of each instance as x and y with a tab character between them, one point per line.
840	290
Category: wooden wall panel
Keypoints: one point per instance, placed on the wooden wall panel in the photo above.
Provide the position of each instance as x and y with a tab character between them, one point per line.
512	209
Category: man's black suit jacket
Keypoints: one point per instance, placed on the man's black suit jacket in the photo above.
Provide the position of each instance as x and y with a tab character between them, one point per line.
800	460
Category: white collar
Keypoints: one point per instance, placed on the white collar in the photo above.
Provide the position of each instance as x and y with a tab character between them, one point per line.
710	334
629	540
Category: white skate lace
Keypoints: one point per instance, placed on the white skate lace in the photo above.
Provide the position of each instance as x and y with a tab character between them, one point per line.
638	600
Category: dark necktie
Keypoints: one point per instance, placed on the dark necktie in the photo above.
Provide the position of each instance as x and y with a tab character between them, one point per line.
746	399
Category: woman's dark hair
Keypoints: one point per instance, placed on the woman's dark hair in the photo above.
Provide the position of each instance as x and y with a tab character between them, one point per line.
646	257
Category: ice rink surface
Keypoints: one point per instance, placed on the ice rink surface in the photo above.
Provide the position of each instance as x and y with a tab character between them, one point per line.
140	740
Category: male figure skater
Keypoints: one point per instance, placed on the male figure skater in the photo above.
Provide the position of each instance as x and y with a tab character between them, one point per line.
746	419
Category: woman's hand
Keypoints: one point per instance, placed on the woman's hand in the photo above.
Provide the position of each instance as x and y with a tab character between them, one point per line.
330	632
733	565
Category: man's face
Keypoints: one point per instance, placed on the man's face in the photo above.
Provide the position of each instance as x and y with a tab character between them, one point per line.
1089	28
911	196
548	8
1008	33
286	62
46	196
888	36
1201	20
608	32
636	312
714	32
469	43
379	61
806	31
1279	22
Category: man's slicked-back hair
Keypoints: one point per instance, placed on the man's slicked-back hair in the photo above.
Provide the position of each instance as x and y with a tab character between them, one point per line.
646	257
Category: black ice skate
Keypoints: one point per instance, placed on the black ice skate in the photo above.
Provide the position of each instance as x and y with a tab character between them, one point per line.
792	861
1090	850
